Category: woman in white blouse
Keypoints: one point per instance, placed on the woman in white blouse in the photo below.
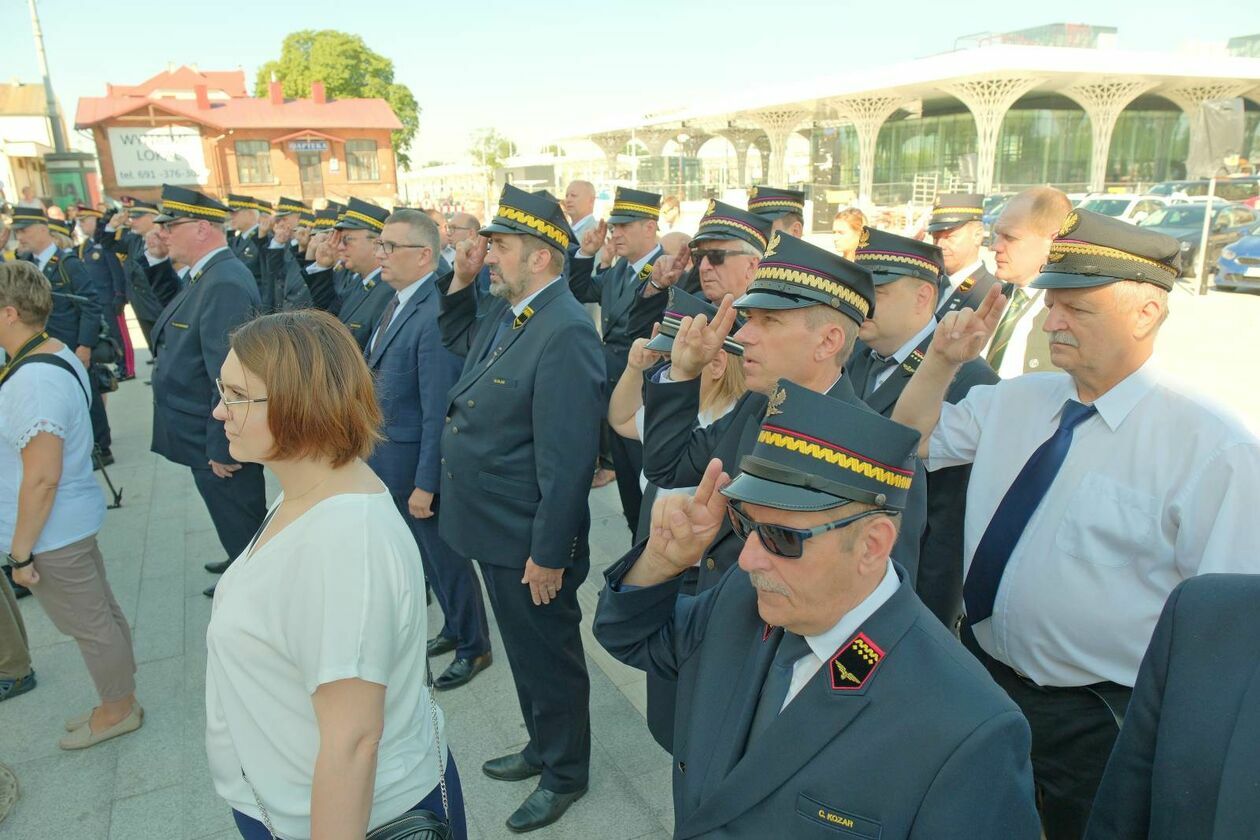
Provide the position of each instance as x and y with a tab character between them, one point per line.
51	506
319	722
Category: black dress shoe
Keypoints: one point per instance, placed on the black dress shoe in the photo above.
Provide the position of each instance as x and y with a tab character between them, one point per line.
461	671
542	807
510	768
218	568
439	645
209	590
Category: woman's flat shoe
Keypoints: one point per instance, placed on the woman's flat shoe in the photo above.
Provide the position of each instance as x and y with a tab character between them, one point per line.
84	737
80	721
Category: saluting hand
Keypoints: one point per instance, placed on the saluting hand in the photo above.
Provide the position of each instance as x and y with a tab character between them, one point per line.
683	527
666	271
698	341
325	251
470	256
961	335
641	358
594	238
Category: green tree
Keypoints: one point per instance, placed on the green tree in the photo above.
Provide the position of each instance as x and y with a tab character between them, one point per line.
490	148
348	69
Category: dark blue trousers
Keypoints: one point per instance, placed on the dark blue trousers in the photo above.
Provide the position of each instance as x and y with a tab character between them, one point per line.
237	505
453	581
252	829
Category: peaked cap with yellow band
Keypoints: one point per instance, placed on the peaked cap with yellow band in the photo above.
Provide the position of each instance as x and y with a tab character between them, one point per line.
360	215
814	452
634	206
772	202
1094	250
26	216
722	221
951	210
286	206
530	214
794	274
181	203
244	202
88	211
683	305
890	257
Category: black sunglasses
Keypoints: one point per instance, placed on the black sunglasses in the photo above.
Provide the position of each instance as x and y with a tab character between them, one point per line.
783	541
716	256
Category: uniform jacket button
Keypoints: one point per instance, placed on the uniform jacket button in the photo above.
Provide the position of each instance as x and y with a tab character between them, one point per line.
709	564
454	430
447	419
472	403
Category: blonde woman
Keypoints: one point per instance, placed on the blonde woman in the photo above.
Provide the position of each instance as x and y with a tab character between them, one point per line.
846	229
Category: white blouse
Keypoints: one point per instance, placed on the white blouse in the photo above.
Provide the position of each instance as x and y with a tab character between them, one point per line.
338	594
40	397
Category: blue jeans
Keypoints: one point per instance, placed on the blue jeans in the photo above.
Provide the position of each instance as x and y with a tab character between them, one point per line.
252	829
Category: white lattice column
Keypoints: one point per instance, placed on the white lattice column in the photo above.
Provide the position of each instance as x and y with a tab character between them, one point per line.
1103	102
778	124
868	114
1191	98
741	139
654	139
989	99
611	143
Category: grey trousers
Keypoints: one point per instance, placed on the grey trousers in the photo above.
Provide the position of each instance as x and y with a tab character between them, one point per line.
15	655
74	593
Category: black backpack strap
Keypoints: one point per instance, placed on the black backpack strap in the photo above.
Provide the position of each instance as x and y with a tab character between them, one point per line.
49	359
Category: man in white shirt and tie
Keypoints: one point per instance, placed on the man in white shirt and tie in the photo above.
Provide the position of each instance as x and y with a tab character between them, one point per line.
1093	493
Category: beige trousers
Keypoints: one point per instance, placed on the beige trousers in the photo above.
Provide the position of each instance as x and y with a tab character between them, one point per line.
15	655
73	590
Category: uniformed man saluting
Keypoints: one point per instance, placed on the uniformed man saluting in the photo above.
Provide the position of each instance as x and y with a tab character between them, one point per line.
817	696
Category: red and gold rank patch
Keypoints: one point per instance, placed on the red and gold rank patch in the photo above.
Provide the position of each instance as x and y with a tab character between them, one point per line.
854	663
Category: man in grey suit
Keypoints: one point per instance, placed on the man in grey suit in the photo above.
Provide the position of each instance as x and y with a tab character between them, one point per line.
191	337
413	373
519	439
1187	763
891	344
817	695
626	264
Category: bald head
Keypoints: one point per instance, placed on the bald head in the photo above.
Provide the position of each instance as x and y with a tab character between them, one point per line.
462	226
1024	231
674	241
579	200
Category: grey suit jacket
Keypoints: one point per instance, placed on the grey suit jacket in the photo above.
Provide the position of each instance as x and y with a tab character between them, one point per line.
924	746
521	430
1187	762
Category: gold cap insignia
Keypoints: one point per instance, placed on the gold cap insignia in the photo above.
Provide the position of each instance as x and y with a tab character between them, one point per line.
865	238
1070	223
712	206
752	193
777	399
774	243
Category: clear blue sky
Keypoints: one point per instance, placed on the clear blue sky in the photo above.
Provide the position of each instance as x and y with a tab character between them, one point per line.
524	67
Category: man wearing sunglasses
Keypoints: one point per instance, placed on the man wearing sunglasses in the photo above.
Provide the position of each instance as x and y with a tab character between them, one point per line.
632	243
803	311
191	338
817	695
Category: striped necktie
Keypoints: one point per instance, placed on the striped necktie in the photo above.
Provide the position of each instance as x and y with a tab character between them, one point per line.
1006	327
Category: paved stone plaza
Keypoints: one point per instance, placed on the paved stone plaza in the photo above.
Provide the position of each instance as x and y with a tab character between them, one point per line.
155	785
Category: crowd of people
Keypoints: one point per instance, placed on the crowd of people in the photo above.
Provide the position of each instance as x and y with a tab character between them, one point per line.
915	549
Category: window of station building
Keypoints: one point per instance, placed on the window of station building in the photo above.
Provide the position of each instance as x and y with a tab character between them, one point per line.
1043	140
361	161
943	142
1151	143
253	162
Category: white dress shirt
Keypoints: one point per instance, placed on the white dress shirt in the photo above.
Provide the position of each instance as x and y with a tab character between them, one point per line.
823	647
42	258
201	263
955	280
1159	486
403	296
1013	359
370	277
581	226
904	351
520	307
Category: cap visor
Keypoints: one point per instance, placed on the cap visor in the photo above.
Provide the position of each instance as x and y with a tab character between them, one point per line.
661	343
760	491
625	220
1064	280
495	227
162	218
18	224
770	300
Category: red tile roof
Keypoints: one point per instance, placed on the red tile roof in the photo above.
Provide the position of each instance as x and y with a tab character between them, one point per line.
231	82
248	112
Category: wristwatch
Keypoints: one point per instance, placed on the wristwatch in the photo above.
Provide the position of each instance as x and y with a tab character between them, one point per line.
14	563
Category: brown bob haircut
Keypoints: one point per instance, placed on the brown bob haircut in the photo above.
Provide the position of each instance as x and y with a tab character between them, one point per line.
321	402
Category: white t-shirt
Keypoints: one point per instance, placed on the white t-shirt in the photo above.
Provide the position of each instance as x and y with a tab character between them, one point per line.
338	594
40	397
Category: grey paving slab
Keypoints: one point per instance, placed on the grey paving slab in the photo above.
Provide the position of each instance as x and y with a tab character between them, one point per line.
155	815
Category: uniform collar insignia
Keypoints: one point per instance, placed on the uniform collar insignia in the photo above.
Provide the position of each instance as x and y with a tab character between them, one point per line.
851	668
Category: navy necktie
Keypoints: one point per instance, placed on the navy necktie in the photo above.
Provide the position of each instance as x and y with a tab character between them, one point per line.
778	680
504	323
1014	511
879	364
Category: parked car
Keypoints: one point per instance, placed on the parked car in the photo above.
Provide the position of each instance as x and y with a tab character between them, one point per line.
1244	189
1184	222
1129	207
1238	269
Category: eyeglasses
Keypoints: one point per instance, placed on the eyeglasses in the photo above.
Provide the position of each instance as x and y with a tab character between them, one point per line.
223	397
387	247
783	541
450	228
174	223
716	256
